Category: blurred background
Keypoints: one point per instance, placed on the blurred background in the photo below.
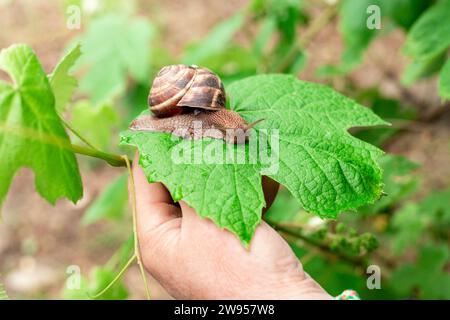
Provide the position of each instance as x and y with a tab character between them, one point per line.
124	43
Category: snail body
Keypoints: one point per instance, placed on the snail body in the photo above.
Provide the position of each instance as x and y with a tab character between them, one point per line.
189	101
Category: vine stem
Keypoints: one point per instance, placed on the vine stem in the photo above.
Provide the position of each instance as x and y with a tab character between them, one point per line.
112	159
117	277
137	251
300	236
76	133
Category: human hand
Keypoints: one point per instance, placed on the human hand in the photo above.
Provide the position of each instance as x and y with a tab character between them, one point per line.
193	259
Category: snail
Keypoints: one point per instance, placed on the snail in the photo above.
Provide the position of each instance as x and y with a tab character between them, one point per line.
189	101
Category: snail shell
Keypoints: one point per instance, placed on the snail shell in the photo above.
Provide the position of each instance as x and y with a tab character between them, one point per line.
183	97
178	86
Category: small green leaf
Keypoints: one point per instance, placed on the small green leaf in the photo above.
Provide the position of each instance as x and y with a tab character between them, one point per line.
31	133
430	35
409	223
113	46
217	39
62	82
110	204
96	123
444	81
323	166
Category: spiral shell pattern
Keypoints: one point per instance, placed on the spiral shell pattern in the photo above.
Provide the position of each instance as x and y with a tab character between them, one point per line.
179	86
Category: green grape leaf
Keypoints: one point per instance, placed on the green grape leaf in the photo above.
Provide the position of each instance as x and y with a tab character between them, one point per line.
430	34
62	82
322	165
217	39
427	274
113	46
96	123
444	81
110	204
31	133
326	169
229	194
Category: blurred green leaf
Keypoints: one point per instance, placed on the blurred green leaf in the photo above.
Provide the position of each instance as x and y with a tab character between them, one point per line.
444	81
235	62
110	204
31	132
405	12
426	275
99	278
333	275
287	14
134	101
438	205
114	47
265	33
62	82
217	39
420	69
409	223
355	32
430	34
353	28
96	123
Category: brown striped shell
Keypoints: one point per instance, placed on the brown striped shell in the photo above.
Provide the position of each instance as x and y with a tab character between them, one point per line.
179	86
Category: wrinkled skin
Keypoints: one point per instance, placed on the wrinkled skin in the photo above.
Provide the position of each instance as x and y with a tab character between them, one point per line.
193	259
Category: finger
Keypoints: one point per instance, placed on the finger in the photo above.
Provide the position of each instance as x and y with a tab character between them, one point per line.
154	205
188	212
149	192
191	219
